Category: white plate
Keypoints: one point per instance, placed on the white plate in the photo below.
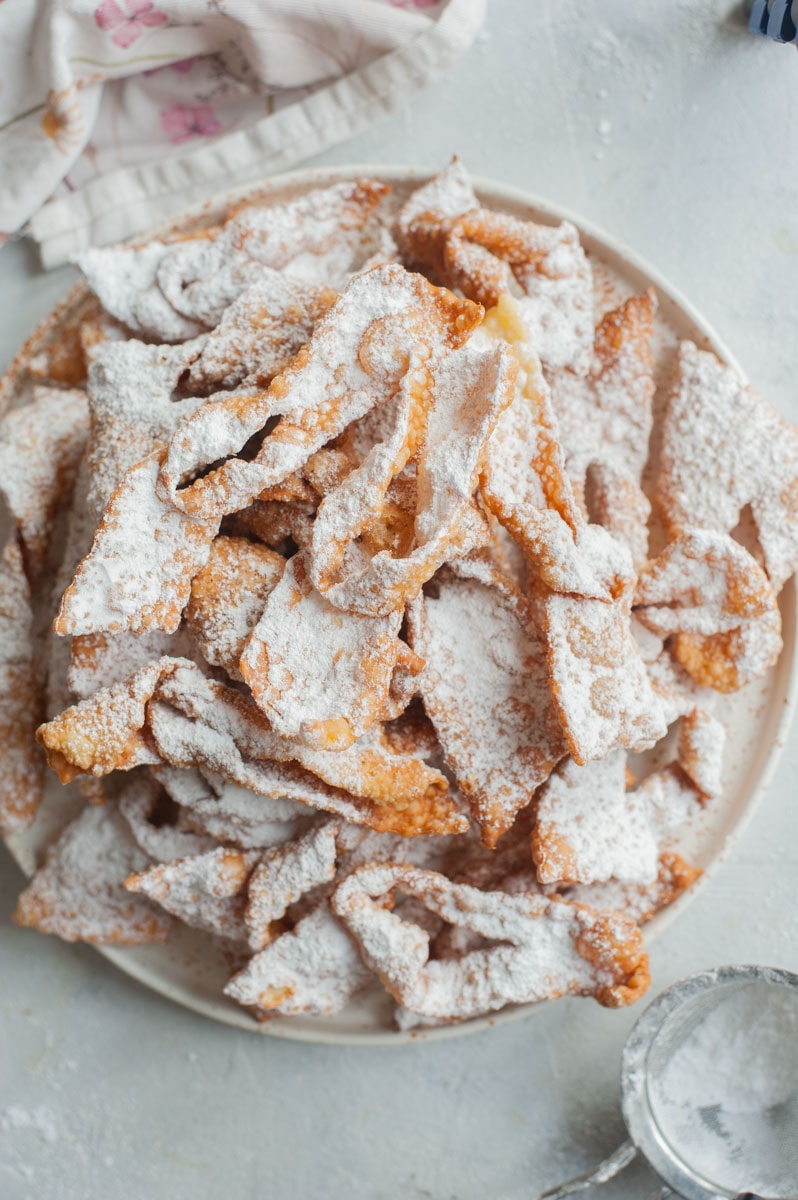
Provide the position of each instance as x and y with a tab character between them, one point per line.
190	971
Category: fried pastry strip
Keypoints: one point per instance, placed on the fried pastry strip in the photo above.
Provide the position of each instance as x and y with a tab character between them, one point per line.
194	721
40	449
605	416
98	660
171	291
185	742
547	948
638	902
485	687
259	333
447	194
139	802
207	891
22	778
228	595
285	874
599	681
584	576
134	410
397	789
314	969
468	389
137	575
486	254
230	812
524	482
702	740
105	732
618	503
353	361
708	592
710	469
319	673
124	279
78	893
589	828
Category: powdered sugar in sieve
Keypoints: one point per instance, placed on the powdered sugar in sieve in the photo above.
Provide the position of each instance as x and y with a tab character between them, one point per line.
710	1088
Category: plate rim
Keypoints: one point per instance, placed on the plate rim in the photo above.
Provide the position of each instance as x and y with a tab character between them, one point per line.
225	1012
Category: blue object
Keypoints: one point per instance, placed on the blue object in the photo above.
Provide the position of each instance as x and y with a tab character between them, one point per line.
776	19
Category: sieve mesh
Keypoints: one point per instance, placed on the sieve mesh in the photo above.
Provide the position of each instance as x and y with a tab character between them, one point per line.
710	1089
722	1087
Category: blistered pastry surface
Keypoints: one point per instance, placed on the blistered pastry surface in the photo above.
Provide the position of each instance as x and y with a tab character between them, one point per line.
323	486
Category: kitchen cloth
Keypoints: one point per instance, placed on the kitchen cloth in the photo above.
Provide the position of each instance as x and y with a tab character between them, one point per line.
115	114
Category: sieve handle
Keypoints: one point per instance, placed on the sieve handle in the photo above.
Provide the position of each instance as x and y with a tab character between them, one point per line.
602	1173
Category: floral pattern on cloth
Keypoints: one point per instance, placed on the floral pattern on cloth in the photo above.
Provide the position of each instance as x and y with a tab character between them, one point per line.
129	22
121	85
182	122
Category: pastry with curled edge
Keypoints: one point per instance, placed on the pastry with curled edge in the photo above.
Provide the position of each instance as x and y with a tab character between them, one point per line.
543	948
341	510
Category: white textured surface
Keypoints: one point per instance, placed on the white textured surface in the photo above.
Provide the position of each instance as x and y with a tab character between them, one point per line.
667	125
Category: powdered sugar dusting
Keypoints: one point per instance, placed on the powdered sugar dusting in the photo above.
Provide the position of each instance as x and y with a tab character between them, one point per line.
605	415
284	875
172	292
709	406
138	573
600	683
727	1095
702	740
315	670
589	828
133	411
314	969
485	686
558	306
78	893
546	948
124	280
160	842
385	466
228	595
207	891
40	449
448	193
260	333
20	701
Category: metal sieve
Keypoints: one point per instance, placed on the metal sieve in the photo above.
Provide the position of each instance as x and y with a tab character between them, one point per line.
710	1089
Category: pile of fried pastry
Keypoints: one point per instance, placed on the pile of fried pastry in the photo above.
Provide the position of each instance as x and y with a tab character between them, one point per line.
334	584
